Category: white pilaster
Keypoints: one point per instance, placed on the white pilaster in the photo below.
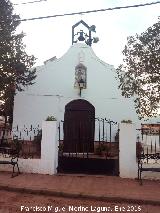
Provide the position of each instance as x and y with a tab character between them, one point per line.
49	148
127	155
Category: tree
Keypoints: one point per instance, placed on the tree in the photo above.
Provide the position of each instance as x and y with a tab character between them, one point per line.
15	64
139	74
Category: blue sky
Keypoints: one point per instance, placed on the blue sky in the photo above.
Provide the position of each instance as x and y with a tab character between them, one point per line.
52	37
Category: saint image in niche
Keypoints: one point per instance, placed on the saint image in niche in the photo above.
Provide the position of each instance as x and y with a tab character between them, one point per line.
80	74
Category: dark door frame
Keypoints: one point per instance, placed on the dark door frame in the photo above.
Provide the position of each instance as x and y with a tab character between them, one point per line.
79	126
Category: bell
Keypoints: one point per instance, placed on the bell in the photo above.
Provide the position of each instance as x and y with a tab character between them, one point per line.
81	37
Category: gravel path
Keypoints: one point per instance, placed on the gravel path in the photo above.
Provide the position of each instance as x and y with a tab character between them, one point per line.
12	202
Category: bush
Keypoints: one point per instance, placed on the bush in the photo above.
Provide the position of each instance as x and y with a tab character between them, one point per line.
126	121
51	118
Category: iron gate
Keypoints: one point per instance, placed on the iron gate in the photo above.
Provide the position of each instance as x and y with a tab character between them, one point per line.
85	143
103	158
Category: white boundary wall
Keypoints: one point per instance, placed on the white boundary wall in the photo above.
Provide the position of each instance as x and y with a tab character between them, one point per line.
49	153
127	147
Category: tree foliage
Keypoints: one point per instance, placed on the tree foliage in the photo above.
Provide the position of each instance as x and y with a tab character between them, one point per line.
139	74
15	64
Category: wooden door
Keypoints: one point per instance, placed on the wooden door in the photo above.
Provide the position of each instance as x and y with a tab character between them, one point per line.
79	125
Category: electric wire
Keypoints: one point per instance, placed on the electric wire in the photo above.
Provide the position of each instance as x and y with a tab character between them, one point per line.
90	11
29	2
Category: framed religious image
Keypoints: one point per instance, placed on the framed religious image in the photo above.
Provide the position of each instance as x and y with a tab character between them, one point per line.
80	74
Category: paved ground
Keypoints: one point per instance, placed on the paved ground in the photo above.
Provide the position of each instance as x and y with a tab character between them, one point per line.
106	188
16	202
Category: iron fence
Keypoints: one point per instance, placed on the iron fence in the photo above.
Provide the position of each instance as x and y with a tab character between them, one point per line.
5	134
148	144
26	139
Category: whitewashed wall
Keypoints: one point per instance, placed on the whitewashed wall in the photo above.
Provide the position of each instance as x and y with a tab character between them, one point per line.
54	88
127	155
49	153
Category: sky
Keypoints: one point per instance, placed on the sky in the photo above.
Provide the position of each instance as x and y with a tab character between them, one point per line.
51	37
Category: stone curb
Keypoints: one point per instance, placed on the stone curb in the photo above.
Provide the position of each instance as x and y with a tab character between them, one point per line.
108	198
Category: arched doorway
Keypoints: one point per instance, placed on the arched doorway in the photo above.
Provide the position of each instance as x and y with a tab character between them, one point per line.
79	126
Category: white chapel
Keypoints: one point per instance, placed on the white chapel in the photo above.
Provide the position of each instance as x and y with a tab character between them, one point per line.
79	75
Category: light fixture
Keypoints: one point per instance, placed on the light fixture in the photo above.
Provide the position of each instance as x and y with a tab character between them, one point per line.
81	85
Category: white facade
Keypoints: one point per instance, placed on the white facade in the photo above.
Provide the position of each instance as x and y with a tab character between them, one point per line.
54	88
